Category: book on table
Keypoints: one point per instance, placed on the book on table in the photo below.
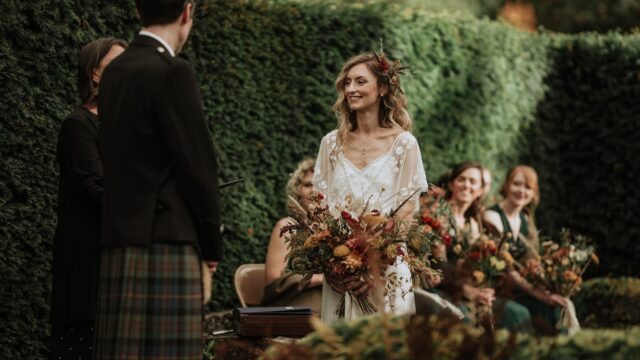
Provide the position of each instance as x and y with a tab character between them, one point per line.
292	321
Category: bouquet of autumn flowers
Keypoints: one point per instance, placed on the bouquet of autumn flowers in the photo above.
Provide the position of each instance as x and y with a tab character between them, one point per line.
354	245
560	266
435	212
485	262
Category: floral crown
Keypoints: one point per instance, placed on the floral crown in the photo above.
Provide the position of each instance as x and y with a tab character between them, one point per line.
392	71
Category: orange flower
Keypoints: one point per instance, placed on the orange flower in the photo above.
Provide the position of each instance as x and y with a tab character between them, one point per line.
352	262
570	276
314	239
491	246
506	256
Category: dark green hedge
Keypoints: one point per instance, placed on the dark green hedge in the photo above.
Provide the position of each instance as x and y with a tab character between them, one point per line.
573	16
611	303
479	90
585	145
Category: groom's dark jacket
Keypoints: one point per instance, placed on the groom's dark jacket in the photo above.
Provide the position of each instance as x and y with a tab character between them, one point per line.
160	169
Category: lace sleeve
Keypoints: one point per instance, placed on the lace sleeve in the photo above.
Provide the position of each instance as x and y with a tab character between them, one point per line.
411	175
322	174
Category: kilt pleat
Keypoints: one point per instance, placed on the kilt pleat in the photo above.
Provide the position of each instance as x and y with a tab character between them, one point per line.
150	303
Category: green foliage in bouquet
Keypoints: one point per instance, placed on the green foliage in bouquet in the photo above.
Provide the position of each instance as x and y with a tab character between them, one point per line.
607	302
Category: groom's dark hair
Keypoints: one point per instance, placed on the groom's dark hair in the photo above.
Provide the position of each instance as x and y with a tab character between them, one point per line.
160	12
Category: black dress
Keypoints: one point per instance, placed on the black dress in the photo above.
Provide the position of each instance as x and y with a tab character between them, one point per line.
76	243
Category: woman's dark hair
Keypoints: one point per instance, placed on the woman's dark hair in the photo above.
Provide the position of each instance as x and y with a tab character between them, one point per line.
475	209
160	12
89	59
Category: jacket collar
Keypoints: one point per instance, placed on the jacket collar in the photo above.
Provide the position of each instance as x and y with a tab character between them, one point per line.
144	39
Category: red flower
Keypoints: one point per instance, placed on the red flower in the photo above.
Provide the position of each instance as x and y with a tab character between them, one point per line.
427	220
447	240
435	224
346	215
384	65
474	256
320	196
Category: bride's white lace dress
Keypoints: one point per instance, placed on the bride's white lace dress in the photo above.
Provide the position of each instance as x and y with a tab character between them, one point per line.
385	183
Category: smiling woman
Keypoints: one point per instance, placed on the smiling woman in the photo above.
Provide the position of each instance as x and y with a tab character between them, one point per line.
513	218
373	159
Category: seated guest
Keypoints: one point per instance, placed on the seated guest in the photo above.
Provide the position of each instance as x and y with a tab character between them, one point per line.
513	218
464	186
291	289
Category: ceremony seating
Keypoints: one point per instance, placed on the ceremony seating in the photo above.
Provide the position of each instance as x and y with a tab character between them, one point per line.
249	283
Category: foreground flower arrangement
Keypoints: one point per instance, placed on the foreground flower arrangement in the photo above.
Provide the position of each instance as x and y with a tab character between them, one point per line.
397	337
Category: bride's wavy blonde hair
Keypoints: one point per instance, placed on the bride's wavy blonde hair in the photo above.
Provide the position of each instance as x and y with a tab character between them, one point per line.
393	105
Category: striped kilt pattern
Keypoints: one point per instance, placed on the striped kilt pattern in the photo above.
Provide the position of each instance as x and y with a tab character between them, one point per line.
149	303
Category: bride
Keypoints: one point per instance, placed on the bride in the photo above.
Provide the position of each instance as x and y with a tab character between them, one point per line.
371	157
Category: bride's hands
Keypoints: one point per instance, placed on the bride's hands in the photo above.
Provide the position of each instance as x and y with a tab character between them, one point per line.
355	285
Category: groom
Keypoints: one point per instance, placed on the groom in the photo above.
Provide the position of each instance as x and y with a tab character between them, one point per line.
160	204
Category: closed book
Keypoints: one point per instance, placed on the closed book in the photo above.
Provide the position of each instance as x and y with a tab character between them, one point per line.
288	321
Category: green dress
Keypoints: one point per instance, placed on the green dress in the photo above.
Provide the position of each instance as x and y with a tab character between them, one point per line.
541	313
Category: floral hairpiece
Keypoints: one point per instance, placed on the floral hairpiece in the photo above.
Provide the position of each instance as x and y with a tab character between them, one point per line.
391	71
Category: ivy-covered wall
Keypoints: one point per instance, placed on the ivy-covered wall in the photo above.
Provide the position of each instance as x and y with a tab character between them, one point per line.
479	90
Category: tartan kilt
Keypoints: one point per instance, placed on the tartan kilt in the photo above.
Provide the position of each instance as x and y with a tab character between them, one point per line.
149	303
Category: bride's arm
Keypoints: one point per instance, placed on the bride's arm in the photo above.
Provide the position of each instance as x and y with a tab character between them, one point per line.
412	180
323	171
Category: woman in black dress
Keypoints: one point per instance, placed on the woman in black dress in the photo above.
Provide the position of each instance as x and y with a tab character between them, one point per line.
75	247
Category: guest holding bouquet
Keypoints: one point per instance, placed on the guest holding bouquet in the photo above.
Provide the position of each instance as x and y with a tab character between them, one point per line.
513	219
370	161
284	288
75	246
464	185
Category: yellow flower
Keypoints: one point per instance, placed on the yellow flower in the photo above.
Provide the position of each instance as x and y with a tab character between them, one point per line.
497	264
457	249
391	251
377	242
341	250
374	219
478	277
314	239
